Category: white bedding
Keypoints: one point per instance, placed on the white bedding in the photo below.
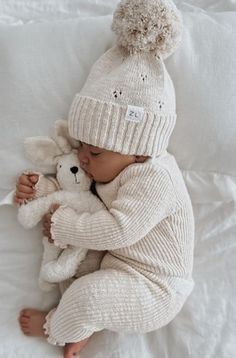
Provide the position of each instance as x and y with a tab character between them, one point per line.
42	64
17	12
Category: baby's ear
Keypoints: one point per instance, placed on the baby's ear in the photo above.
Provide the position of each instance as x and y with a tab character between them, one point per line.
42	150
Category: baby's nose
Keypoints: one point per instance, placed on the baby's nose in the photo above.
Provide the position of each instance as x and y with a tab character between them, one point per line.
83	160
74	170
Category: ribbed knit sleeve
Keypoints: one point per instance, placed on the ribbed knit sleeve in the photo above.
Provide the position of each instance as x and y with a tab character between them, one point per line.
145	197
46	185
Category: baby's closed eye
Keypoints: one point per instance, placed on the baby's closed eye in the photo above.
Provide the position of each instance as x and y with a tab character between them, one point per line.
94	154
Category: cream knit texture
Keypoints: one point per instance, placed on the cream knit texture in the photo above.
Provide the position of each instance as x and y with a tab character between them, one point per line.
127	104
146	275
45	185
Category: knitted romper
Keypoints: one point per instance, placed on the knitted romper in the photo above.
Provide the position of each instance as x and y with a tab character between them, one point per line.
147	236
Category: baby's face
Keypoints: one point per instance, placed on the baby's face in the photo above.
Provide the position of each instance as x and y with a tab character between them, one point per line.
102	165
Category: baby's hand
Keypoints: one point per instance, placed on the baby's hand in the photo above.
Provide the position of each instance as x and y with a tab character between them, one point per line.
25	188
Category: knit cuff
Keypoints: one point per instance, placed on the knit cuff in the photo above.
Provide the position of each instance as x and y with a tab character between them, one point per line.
62	222
115	132
45	186
57	328
46	328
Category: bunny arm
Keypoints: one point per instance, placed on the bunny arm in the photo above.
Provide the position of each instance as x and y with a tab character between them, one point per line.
63	265
58	265
50	253
31	213
46	286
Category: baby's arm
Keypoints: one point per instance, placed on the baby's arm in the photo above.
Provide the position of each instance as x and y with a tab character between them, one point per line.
144	199
46	185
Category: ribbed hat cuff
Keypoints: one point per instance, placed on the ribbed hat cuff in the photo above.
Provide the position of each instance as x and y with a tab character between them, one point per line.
104	125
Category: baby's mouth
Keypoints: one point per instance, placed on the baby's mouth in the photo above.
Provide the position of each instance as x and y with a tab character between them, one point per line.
89	175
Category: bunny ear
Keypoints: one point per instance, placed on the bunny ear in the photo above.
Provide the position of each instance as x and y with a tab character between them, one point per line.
42	150
61	136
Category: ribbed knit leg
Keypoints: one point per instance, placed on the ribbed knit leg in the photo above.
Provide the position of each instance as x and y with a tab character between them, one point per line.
108	299
90	264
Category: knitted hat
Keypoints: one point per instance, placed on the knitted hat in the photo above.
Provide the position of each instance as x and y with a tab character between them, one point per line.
127	104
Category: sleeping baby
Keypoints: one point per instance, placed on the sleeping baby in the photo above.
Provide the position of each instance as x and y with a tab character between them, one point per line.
139	271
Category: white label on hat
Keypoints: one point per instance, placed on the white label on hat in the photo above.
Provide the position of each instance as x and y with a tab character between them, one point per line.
134	114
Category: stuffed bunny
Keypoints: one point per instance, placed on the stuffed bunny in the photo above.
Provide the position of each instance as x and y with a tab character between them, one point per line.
58	264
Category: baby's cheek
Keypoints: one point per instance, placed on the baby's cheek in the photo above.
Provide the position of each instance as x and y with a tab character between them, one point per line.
101	174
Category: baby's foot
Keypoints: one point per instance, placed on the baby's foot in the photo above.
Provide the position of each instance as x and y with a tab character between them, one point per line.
32	321
72	350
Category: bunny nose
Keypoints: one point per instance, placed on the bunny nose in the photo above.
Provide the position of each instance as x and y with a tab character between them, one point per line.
74	170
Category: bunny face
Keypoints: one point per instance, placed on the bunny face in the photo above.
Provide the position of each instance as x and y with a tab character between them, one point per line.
69	174
58	153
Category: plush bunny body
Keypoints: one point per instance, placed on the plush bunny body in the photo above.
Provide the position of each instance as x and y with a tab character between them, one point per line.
58	264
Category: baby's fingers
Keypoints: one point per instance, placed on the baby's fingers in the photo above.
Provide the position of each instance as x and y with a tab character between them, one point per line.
24	192
20	198
18	201
25	180
33	178
23	196
25	189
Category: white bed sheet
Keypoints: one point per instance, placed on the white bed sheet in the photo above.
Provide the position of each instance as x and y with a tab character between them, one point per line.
22	11
206	325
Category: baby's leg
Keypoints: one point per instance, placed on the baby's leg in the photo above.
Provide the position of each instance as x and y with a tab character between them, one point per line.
109	299
32	322
90	264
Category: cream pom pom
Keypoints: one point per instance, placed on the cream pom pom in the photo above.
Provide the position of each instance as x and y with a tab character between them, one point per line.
148	25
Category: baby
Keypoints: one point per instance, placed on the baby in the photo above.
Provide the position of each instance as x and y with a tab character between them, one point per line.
139	270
